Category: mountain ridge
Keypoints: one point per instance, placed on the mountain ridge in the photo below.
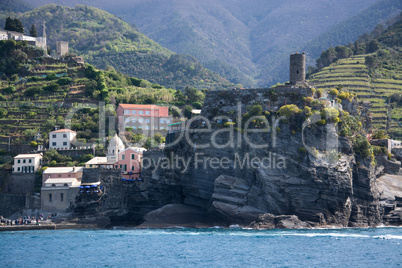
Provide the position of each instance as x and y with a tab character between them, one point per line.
247	43
96	34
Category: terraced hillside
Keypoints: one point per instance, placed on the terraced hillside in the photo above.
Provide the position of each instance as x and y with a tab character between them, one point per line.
38	102
353	74
37	92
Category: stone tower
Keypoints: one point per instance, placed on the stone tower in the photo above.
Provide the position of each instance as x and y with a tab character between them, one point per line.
297	68
62	48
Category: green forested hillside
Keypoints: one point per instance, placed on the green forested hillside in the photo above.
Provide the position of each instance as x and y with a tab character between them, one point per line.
7	6
372	69
103	39
249	42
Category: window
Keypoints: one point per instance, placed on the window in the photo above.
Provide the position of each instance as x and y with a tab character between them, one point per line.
132	168
120	166
50	197
90	165
132	156
62	195
134	127
133	120
30	161
297	71
53	144
147	120
64	135
19	169
133	112
146	127
53	185
19	161
168	121
126	112
23	161
123	157
125	167
140	120
147	112
65	184
54	136
116	166
161	121
69	175
140	112
59	175
64	143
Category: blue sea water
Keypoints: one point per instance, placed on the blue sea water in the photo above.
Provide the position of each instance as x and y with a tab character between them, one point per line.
376	247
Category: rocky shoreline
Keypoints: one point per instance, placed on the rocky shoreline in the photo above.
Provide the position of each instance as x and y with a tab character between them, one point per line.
166	221
182	216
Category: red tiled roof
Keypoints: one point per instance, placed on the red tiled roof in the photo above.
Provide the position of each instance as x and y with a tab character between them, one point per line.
63	130
140	106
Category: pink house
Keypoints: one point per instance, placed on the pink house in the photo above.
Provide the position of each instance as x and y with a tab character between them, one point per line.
129	162
143	117
62	173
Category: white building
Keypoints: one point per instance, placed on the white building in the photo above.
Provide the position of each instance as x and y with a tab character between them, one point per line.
115	146
140	150
27	163
34	41
98	161
61	139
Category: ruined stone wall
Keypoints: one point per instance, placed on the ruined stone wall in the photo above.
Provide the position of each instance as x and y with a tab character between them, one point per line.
112	186
218	103
398	153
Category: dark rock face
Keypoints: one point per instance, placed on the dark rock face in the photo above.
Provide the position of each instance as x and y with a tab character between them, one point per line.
398	153
269	221
233	180
342	194
175	215
287	182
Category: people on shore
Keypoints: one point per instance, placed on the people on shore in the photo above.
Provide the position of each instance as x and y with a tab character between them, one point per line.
23	220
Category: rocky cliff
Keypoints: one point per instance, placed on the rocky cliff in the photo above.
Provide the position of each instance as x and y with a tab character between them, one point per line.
281	176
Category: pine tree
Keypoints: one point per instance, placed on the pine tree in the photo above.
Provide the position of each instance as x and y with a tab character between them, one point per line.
10	25
18	26
14	25
33	31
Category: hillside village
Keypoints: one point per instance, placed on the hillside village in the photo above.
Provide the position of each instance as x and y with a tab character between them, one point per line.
42	181
64	188
180	133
